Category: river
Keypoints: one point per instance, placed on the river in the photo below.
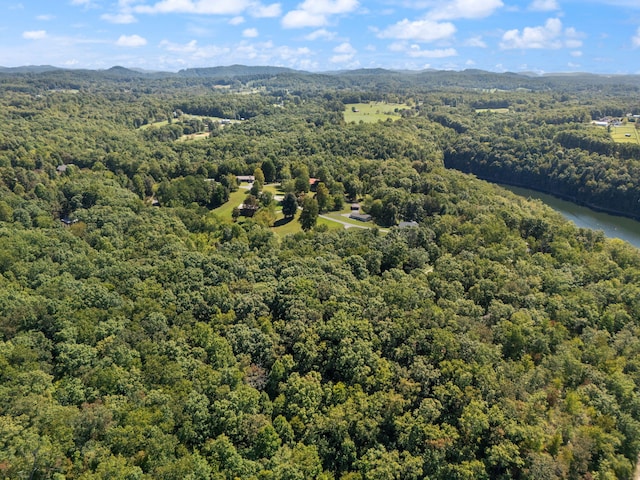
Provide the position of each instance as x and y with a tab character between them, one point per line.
612	225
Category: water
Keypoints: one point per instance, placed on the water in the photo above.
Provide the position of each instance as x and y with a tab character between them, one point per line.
612	225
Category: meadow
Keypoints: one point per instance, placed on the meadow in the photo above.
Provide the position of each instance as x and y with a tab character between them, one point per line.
372	112
626	133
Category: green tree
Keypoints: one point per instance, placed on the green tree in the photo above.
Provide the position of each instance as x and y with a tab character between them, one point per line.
289	205
323	197
258	175
309	215
269	170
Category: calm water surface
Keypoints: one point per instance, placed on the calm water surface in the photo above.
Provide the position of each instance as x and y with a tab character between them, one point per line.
612	225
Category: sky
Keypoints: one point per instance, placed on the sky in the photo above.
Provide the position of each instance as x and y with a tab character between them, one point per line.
542	36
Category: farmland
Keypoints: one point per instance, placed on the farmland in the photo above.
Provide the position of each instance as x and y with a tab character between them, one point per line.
626	133
373	112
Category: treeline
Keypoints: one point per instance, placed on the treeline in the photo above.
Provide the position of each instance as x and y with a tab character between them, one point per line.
575	161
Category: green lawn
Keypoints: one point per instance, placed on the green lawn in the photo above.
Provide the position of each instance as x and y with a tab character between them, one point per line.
372	112
619	134
281	228
235	199
351	221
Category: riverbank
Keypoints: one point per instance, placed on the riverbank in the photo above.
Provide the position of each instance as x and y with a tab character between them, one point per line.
613	226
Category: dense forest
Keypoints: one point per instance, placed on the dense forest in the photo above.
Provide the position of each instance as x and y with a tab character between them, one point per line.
466	334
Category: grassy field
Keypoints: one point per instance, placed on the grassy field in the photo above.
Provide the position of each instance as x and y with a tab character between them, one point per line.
619	134
235	199
372	112
351	221
281	227
193	136
492	110
183	117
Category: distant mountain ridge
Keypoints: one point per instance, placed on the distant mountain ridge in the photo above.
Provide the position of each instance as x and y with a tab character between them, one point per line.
363	78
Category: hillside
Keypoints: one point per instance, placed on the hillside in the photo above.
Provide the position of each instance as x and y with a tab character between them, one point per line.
143	335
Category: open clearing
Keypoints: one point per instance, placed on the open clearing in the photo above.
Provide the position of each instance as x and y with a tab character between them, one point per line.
625	134
492	110
281	227
373	112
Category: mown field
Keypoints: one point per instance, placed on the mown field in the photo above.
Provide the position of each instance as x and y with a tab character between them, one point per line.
625	134
373	111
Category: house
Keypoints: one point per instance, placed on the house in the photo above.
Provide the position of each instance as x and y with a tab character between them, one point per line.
67	222
245	178
355	207
313	183
61	168
361	217
248	210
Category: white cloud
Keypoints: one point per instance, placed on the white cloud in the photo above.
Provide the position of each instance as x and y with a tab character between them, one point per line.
464	9
190	47
416	52
320	34
212	7
80	2
261	53
266	11
550	35
250	33
315	13
420	30
576	53
45	18
120	18
544	5
236	20
34	34
344	53
131	41
475	42
302	18
345	47
206	7
635	40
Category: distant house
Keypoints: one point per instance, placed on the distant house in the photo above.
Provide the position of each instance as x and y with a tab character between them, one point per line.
245	178
61	168
361	217
355	207
248	210
313	183
67	222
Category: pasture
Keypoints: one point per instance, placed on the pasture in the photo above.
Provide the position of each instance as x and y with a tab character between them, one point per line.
373	112
625	133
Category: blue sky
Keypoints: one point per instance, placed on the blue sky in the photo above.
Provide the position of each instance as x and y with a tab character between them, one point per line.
599	36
